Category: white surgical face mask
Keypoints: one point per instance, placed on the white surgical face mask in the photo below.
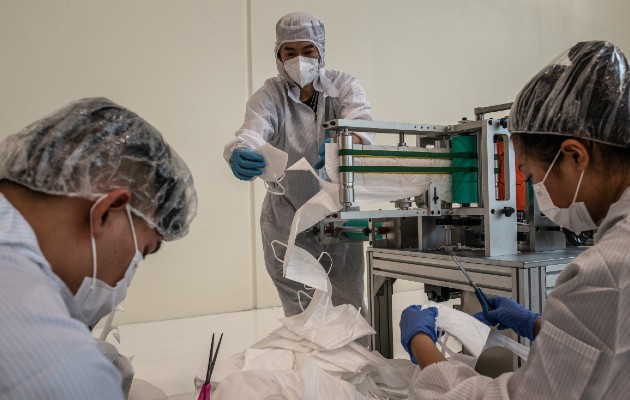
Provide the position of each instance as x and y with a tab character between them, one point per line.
576	218
302	70
96	298
275	165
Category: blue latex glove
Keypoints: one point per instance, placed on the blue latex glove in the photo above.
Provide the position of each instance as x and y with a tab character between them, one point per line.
413	321
322	152
511	315
246	164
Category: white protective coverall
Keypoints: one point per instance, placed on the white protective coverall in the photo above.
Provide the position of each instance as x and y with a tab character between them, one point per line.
275	115
583	348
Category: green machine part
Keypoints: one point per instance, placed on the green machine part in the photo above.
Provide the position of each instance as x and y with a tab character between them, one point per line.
464	183
361	223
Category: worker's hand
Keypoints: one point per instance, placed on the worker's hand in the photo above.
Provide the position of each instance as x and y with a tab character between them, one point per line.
511	315
246	164
322	155
414	321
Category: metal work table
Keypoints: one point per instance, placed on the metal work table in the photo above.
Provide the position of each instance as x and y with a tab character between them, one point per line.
526	277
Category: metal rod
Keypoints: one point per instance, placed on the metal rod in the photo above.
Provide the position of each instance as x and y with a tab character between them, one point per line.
472	283
346	195
481	111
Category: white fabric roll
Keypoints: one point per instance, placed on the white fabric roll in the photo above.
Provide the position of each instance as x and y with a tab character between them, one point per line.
377	188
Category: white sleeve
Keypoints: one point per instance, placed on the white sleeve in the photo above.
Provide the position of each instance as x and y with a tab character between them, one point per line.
263	112
454	380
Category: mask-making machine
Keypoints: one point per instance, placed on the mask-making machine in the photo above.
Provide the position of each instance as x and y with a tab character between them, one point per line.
453	189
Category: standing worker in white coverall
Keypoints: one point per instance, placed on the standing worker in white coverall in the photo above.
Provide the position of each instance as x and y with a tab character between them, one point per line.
570	127
288	113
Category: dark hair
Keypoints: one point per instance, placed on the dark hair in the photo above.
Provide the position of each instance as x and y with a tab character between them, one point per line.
543	148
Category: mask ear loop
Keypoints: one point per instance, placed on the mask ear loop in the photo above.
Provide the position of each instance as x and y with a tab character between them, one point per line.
327	273
133	229
578	186
93	284
331	261
300	300
274	249
279	193
552	164
306	287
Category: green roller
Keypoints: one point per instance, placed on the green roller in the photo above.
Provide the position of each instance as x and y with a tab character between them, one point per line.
464	183
360	223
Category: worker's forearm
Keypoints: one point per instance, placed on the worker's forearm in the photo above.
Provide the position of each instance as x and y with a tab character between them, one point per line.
356	139
425	351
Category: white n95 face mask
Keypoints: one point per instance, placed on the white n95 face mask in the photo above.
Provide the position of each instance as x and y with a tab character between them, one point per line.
302	70
576	218
275	166
304	268
329	327
96	298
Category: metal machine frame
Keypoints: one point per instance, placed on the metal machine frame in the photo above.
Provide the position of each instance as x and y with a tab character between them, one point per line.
409	243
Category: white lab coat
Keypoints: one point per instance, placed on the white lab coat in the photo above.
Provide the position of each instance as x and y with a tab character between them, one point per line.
275	115
583	348
46	352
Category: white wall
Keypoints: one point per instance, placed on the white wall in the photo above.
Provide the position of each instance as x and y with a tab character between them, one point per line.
188	67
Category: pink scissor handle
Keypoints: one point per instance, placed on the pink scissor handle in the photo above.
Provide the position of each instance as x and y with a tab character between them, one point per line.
204	394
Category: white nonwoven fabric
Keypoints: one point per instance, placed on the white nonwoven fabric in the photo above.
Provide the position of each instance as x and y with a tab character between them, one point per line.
302	267
377	188
275	359
473	334
297	265
275	162
328	326
470	332
275	166
331	366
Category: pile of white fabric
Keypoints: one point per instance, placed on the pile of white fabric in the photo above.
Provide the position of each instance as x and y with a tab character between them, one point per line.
313	355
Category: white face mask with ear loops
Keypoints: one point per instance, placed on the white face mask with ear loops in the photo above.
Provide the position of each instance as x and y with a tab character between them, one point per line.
302	70
576	218
96	298
304	268
275	166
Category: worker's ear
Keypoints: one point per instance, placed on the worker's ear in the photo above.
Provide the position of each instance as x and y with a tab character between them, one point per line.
116	200
576	153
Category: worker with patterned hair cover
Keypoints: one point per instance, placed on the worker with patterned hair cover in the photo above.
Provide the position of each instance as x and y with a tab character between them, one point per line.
86	193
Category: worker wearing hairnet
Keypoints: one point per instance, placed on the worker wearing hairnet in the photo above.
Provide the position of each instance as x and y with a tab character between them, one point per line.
571	133
288	113
85	194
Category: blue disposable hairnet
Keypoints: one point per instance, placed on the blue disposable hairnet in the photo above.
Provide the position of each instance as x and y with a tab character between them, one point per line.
299	27
583	93
93	146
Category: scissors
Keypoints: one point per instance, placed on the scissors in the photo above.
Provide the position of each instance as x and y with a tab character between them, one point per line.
204	394
481	296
